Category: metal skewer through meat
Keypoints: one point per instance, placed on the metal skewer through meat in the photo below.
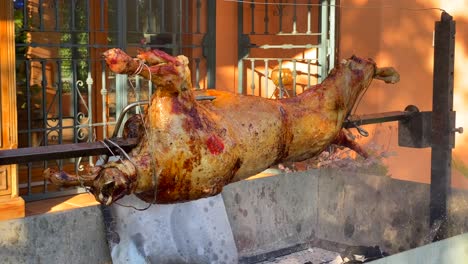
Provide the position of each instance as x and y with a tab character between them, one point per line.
189	149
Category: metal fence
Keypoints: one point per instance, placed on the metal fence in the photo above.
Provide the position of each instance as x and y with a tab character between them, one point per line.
285	46
65	94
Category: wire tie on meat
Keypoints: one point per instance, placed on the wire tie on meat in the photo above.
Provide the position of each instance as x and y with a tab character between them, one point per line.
122	152
110	150
107	146
107	142
149	85
138	71
361	130
128	157
139	68
133	207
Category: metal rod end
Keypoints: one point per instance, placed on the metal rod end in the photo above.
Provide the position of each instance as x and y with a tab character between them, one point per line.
445	16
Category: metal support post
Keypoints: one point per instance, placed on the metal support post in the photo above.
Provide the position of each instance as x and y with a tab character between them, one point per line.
442	123
240	49
209	45
323	51
121	79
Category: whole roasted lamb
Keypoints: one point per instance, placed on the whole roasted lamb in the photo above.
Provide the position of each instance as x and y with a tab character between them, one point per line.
191	149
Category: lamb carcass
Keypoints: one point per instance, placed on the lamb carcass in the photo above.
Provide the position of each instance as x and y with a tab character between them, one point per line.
189	149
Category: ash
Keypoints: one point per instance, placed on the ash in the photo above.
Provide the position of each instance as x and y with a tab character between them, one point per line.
307	256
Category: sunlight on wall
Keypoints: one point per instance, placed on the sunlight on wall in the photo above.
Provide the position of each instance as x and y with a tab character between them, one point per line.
360	2
402	38
460	105
456	8
461	96
459	10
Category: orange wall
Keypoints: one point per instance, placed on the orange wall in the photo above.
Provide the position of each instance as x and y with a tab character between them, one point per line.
226	46
403	38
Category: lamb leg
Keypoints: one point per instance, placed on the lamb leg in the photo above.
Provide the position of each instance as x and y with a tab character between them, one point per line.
344	139
387	74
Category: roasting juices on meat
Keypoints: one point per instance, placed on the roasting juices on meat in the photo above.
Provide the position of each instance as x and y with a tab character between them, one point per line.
191	149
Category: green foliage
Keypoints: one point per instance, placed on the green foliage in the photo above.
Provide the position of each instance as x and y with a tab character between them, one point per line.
21	35
67	87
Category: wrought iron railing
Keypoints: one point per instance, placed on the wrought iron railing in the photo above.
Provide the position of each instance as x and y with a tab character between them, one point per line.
296	36
65	93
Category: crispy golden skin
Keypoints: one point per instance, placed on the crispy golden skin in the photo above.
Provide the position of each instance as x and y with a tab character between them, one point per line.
190	150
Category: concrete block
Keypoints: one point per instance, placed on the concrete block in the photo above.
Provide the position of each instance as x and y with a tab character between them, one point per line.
249	218
192	232
75	236
349	207
363	209
272	213
405	214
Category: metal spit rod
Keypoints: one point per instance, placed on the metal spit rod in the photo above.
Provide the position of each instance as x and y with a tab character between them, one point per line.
53	152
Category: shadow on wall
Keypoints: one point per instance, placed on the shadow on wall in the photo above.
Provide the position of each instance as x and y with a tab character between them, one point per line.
394	35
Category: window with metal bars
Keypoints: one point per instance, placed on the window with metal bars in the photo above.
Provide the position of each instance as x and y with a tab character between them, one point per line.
65	94
285	46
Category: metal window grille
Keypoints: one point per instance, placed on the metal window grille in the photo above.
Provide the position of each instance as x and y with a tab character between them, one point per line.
65	94
285	46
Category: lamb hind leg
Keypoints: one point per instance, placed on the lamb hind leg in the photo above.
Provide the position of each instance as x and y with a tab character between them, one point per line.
387	74
64	179
343	139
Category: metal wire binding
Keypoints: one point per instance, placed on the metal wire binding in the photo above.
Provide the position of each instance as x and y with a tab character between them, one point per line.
113	154
139	69
122	152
